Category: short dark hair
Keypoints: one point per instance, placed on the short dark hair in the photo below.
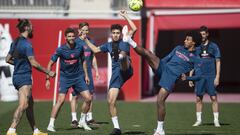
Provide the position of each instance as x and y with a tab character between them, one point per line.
69	30
82	24
116	26
196	37
22	23
204	28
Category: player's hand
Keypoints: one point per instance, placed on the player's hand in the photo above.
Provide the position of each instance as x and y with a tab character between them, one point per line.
97	76
216	82
123	13
84	36
190	83
47	84
51	73
183	77
87	80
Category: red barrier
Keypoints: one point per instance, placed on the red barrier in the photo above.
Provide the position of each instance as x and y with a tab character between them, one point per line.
45	42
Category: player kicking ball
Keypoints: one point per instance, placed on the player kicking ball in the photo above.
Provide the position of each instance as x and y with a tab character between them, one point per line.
181	60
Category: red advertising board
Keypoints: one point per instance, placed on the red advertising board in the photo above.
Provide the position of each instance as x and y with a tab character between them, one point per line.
192	3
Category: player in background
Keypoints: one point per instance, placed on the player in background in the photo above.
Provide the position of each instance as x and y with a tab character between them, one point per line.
210	57
181	59
70	76
21	56
121	65
91	62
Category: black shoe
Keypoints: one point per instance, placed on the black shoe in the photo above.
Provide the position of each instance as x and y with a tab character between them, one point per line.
116	131
74	124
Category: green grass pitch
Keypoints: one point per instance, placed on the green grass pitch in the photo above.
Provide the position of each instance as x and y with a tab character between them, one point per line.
135	118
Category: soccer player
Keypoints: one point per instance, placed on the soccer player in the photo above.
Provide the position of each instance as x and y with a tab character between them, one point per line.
121	65
70	76
210	57
91	62
21	56
181	60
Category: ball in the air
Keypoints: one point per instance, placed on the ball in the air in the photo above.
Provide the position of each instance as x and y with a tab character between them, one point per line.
135	5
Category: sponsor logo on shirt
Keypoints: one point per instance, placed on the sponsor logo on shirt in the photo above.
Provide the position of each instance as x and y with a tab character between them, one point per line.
87	54
70	62
182	56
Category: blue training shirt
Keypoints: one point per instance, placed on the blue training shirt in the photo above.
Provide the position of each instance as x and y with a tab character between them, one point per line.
180	60
209	53
20	50
70	65
88	53
122	46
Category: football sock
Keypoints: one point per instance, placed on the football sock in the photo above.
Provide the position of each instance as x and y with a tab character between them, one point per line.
74	116
89	116
12	130
115	122
36	131
199	116
132	43
83	118
51	123
160	126
215	114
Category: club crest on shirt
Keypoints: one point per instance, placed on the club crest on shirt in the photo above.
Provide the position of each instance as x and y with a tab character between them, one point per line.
72	55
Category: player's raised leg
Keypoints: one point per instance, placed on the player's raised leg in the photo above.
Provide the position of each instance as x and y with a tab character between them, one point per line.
151	58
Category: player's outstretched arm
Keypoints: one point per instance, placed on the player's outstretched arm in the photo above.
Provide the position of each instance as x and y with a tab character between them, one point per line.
91	46
36	65
133	29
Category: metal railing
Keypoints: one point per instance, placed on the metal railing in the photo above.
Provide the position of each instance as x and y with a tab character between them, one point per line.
34	4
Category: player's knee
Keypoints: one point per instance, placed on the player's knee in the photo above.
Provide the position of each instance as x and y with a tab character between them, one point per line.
88	99
61	100
111	102
23	106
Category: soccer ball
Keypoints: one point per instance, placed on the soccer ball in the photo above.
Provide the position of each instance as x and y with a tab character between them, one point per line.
135	5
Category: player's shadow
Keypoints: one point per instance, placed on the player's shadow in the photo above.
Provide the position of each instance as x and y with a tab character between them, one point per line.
194	134
212	124
102	123
134	133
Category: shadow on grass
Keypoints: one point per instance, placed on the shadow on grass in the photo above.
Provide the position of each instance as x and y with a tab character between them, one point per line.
212	124
134	133
194	134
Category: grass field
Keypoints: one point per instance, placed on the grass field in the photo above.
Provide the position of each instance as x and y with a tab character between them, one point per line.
136	118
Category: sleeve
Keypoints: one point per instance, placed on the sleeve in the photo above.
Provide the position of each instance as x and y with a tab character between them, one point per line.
11	49
217	53
124	46
29	50
194	78
104	48
56	55
197	70
169	56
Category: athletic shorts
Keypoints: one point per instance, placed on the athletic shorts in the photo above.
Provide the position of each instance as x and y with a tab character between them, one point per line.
20	80
206	84
119	77
168	80
78	84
